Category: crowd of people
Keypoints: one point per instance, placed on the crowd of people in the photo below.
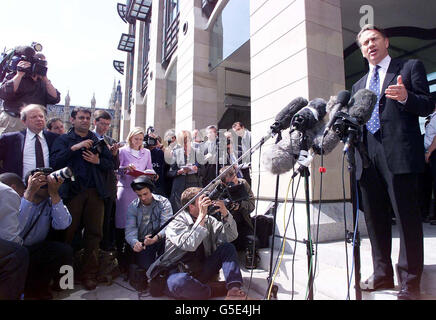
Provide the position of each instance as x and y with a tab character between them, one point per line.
80	191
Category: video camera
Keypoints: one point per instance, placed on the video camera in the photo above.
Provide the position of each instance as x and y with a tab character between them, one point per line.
150	141
9	61
97	147
230	194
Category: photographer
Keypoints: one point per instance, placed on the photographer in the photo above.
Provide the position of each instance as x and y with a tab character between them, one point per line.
42	207
158	160
240	210
25	87
197	247
89	159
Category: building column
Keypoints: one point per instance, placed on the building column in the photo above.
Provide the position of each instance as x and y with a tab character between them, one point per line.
158	113
196	86
297	51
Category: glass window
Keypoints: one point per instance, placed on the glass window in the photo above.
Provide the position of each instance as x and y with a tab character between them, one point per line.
223	38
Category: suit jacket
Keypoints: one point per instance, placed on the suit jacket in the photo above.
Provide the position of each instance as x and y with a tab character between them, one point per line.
11	150
400	131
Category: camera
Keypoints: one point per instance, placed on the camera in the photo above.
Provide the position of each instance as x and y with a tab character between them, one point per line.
97	147
9	61
150	141
229	194
64	173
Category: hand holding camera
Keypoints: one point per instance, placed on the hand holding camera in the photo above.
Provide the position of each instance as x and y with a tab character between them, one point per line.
22	66
85	144
35	182
91	157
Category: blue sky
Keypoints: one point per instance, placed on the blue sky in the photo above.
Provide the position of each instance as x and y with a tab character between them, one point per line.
80	40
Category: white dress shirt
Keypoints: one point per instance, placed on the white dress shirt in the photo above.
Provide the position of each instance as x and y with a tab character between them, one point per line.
29	158
384	65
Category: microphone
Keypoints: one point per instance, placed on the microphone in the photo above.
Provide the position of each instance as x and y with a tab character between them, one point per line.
283	118
281	157
341	101
325	143
25	51
309	116
361	106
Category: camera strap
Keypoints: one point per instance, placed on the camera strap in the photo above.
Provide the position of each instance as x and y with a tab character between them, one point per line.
36	220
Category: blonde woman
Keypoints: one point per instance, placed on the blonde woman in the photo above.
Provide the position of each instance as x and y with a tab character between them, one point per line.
133	156
185	170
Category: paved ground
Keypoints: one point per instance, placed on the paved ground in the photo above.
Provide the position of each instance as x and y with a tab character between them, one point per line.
291	279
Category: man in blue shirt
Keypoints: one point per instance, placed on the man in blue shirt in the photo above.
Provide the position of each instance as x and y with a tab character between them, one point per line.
40	208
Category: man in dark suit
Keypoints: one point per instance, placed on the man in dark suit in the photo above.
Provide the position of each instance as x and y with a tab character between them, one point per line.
102	123
25	150
393	141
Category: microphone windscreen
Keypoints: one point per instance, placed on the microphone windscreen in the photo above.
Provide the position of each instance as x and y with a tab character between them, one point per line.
283	118
362	105
326	145
320	106
24	51
281	157
343	97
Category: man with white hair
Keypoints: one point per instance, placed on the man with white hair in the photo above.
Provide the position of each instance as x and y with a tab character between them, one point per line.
28	149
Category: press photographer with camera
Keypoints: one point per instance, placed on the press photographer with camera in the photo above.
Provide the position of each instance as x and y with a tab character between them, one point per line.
28	149
26	83
90	159
41	208
239	209
197	246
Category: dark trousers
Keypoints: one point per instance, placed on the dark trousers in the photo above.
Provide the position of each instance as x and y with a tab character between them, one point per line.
45	260
14	261
146	257
380	190
108	224
88	207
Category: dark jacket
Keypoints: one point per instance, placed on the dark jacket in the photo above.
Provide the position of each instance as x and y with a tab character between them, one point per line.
28	92
400	131
86	174
11	150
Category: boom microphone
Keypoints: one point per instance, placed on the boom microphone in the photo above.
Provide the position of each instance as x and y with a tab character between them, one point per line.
281	157
341	101
283	118
309	116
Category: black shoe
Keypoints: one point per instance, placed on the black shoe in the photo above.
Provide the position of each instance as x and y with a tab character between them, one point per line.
372	284
407	293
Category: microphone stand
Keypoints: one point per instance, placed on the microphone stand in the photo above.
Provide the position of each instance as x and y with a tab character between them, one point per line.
303	170
350	132
274	288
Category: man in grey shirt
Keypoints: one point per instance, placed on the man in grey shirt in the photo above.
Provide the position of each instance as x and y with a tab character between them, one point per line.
197	247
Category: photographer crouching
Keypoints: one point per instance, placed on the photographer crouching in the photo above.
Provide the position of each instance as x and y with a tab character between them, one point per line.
197	247
90	159
41	208
240	211
26	83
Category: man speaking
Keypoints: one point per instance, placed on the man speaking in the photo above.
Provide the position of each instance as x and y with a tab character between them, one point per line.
393	140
